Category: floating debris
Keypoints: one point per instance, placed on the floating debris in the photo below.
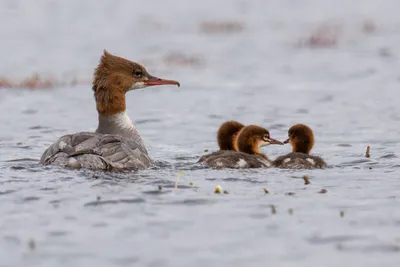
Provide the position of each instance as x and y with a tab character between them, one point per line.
342	213
218	189
369	26
191	183
183	60
325	36
322	191
32	244
273	209
221	27
206	150
290	211
290	194
98	198
226	192
306	180
159	187
367	152
266	190
4	83
36	81
177	179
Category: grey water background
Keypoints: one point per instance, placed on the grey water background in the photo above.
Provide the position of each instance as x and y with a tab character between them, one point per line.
256	74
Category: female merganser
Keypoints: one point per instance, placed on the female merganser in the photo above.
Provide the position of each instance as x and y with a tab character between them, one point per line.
248	142
116	144
301	138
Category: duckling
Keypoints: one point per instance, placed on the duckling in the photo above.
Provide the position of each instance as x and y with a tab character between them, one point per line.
248	142
301	137
227	134
226	138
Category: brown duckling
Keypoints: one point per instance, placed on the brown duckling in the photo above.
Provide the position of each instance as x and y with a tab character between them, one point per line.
249	140
301	137
227	134
226	138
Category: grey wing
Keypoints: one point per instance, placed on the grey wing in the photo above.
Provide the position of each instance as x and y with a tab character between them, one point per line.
206	157
97	151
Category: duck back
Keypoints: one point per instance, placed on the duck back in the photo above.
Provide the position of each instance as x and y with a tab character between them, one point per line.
97	151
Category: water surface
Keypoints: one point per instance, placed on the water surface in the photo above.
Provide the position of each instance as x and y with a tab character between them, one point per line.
256	74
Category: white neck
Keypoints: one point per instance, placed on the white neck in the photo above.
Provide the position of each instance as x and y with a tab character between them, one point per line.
119	124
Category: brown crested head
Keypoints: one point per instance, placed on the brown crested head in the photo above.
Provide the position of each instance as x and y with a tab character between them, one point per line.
252	137
301	137
227	134
114	76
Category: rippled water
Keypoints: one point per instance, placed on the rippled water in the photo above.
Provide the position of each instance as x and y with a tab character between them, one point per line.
257	74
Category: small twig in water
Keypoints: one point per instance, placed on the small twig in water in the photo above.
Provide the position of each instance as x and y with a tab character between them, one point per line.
306	180
367	152
266	190
177	179
273	209
32	244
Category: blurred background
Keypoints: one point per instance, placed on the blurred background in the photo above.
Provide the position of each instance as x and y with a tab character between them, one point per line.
62	40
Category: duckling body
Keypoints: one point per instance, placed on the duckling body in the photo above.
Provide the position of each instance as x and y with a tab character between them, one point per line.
234	160
226	138
301	137
249	140
297	160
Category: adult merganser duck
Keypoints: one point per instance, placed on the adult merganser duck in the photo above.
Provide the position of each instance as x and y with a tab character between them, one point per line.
301	138
116	144
248	142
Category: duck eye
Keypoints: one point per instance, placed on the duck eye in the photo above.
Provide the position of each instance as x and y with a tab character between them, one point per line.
266	137
138	72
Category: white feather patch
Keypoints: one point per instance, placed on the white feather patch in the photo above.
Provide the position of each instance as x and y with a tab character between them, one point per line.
219	164
286	160
137	85
241	164
122	120
311	161
62	145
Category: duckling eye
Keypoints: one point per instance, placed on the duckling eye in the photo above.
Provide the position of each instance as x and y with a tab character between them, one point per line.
138	72
266	137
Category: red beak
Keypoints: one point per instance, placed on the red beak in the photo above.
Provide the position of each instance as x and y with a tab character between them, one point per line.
152	81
